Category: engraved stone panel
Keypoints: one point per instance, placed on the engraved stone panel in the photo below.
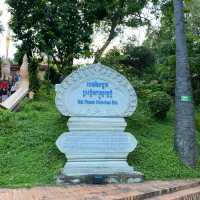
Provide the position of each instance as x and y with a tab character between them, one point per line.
96	145
96	90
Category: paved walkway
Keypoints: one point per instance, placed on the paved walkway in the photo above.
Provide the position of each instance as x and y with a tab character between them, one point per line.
145	190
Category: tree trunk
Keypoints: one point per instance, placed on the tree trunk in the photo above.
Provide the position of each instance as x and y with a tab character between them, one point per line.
111	36
185	138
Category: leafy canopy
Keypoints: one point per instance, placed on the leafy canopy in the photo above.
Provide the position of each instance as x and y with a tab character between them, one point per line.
56	27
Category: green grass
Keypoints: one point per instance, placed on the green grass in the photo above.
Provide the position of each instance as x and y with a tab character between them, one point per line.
155	155
28	155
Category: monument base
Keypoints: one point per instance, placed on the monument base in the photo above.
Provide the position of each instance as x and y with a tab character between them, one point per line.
123	178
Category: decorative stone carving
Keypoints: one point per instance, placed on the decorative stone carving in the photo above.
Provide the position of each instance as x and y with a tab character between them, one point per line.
96	90
97	98
24	74
24	68
5	70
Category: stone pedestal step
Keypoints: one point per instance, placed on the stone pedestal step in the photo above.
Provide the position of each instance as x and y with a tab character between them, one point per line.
98	124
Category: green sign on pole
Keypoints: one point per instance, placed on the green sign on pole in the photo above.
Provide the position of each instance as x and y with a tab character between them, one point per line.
186	98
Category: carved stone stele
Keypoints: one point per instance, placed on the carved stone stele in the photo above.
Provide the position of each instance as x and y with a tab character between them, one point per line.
97	98
24	68
124	99
24	74
5	70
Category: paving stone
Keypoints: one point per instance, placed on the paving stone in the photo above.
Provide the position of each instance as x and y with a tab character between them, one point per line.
190	190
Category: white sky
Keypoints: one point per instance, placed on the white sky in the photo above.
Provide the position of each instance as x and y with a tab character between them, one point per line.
4	20
139	33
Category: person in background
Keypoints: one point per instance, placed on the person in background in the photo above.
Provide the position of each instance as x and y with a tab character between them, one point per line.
1	93
17	77
13	88
4	94
5	85
4	90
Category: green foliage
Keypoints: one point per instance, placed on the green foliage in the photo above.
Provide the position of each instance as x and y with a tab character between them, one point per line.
155	155
197	120
132	61
28	155
1	61
112	56
159	104
111	16
162	41
165	74
113	59
138	59
54	75
18	57
5	116
123	12
57	28
1	28
33	69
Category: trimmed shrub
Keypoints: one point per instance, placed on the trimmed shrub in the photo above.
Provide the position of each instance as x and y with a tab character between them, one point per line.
159	103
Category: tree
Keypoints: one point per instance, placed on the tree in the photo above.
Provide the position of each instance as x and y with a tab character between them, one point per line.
161	39
55	27
1	26
113	15
194	17
139	59
185	139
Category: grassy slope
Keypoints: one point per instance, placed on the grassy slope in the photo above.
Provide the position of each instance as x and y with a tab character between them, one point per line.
28	155
155	155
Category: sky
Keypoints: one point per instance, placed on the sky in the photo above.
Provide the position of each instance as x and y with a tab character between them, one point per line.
98	38
4	20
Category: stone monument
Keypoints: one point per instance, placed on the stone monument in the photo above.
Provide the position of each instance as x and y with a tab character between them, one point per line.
23	72
97	98
5	70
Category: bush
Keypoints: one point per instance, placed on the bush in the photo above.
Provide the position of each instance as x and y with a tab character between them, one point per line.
113	59
197	121
196	94
33	69
54	75
159	104
139	59
144	89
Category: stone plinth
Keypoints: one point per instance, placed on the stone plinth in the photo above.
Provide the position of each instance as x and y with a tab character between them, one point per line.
97	124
